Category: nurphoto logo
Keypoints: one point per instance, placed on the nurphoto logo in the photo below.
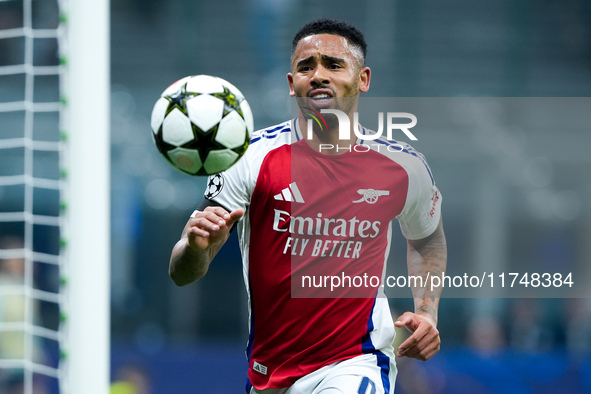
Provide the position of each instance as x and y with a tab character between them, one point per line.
345	124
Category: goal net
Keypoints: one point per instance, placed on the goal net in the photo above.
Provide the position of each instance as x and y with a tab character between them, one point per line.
54	192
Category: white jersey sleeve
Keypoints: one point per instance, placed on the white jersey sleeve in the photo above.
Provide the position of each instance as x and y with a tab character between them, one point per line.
230	188
422	210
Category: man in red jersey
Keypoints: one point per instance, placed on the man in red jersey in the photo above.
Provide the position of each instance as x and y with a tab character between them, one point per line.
301	210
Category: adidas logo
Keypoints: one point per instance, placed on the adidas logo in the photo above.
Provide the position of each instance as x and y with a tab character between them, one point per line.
290	193
260	368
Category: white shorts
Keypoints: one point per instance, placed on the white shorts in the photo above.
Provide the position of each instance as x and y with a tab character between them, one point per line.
366	374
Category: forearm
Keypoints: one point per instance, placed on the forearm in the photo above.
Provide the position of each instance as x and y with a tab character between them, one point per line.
427	258
186	265
203	237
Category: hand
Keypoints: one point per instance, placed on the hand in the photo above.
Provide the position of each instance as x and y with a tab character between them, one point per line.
211	226
424	341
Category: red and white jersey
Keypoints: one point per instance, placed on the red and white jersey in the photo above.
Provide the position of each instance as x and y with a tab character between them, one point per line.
311	216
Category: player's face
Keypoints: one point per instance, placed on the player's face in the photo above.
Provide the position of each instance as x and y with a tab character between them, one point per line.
324	67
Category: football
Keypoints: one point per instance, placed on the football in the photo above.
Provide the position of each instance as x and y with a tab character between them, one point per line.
202	125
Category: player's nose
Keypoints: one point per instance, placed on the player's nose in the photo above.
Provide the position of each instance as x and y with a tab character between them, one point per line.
320	77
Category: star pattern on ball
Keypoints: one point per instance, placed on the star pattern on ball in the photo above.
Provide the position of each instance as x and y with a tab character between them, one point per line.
178	99
230	101
203	142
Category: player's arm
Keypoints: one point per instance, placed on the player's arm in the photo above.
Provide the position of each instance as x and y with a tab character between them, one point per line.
425	257
202	238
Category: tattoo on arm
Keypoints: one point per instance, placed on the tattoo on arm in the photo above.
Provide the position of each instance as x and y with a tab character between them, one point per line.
427	258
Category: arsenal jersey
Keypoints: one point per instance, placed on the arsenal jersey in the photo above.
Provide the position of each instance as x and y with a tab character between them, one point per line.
315	239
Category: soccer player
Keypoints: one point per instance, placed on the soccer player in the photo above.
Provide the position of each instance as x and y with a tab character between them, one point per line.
312	206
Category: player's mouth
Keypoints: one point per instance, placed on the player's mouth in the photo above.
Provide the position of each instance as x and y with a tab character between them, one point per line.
321	98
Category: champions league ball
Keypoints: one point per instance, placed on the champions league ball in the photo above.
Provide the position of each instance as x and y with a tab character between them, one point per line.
202	125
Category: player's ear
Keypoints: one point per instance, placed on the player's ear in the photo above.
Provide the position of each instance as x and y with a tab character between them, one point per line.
364	79
290	82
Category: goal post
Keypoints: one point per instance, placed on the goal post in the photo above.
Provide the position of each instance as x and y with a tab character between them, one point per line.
85	124
54	196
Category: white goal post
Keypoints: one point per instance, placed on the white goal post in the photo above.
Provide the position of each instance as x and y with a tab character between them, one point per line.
86	88
54	195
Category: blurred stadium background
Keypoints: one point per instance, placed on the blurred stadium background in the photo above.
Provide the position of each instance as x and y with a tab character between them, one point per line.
514	196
